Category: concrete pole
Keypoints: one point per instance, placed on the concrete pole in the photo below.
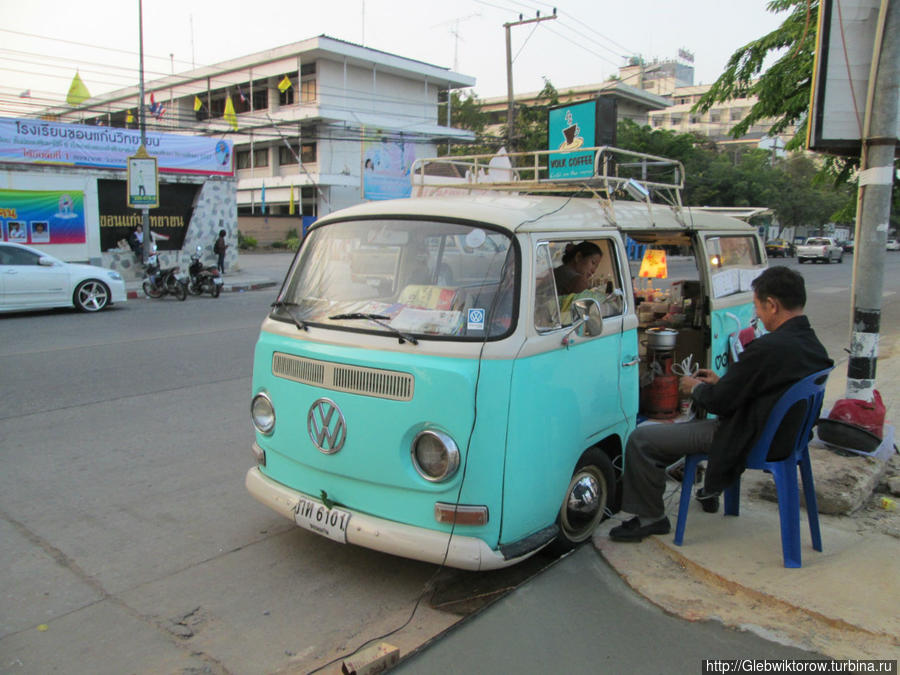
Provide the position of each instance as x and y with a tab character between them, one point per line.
145	212
874	203
510	97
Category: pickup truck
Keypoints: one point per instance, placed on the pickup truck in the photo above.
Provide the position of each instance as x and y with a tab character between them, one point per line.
820	248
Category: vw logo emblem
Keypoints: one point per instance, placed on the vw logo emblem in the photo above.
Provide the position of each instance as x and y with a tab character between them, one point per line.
326	425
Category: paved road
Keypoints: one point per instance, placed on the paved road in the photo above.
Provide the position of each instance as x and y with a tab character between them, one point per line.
127	541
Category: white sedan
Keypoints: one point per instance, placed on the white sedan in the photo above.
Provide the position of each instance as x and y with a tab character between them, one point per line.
31	279
893	245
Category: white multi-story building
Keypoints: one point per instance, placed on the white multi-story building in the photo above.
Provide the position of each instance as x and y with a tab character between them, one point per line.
305	116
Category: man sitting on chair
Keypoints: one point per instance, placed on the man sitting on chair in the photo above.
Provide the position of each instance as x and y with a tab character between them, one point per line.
742	399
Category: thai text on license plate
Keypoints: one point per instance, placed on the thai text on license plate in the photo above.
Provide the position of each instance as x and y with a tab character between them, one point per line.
318	518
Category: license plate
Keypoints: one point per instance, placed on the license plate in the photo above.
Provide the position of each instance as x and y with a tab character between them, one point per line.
318	518
218	281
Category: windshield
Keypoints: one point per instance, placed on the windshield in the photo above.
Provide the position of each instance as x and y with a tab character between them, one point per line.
410	277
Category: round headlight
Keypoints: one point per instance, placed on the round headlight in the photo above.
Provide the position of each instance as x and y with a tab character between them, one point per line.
435	455
263	413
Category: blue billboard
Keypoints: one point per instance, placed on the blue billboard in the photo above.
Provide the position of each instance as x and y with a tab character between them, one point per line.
571	127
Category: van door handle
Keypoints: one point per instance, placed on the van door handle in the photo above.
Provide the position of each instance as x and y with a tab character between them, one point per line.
631	363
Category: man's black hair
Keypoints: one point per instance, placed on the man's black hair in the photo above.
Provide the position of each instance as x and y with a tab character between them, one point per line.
783	284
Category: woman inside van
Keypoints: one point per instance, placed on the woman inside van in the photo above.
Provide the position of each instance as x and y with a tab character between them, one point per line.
579	263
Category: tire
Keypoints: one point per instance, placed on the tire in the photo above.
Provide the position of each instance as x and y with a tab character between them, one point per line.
179	291
194	288
91	296
216	289
150	291
589	494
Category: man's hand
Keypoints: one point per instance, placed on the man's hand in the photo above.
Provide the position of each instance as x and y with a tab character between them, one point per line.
703	376
706	376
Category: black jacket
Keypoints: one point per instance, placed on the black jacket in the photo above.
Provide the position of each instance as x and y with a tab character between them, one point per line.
746	394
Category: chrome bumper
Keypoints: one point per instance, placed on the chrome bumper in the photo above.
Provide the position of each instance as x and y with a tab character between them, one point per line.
387	536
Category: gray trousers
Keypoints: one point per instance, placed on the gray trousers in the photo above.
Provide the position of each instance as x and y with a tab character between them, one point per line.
650	449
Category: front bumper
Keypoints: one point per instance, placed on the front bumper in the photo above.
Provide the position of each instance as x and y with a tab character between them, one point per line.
387	536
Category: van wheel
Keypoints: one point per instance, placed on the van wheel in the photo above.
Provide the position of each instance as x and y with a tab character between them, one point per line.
590	493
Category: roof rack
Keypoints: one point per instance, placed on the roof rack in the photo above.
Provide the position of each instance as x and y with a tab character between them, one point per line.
606	172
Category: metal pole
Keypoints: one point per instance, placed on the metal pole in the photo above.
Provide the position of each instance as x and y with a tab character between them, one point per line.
145	212
510	100
874	204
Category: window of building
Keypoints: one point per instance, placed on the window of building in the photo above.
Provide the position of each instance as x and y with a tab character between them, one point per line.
695	119
308	90
676	120
736	114
260	95
260	157
289	155
286	97
715	116
656	120
242	159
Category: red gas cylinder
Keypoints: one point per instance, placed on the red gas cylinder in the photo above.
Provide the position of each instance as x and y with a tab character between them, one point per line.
661	396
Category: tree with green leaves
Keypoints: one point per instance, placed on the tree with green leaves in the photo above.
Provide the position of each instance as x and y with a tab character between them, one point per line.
783	90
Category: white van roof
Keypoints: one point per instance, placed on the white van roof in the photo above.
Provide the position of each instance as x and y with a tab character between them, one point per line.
543	213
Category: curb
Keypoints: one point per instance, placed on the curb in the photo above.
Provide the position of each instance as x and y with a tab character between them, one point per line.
227	288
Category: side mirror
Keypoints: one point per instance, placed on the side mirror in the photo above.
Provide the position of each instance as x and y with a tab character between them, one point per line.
44	261
588	317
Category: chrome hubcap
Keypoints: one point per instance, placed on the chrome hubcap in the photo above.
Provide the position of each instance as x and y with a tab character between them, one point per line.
584	498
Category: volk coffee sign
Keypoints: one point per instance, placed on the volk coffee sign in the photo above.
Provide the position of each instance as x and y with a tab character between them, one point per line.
170	219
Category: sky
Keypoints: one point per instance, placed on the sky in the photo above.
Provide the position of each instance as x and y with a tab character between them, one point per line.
45	41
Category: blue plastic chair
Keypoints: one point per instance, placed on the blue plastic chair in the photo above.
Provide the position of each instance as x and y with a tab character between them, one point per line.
810	389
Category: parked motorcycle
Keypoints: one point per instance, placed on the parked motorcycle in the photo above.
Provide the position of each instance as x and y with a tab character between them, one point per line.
163	282
203	279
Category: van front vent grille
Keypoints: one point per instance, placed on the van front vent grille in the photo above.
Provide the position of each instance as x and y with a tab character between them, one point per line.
387	384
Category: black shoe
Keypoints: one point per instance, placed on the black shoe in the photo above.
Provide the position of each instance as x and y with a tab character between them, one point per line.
709	502
632	530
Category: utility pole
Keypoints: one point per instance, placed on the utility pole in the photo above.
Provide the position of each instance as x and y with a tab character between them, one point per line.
145	212
879	139
510	98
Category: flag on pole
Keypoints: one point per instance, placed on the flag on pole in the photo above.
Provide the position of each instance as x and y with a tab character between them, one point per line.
291	203
285	84
156	109
78	93
198	104
263	199
229	114
241	94
129	117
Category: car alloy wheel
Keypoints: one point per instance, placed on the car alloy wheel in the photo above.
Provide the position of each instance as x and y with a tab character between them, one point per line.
91	296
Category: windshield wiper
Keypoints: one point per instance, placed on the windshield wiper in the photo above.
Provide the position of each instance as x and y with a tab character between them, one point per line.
379	319
281	304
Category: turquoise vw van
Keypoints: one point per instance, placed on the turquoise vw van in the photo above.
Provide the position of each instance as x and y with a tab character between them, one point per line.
421	388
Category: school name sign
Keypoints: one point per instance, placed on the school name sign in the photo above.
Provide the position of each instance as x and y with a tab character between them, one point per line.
26	141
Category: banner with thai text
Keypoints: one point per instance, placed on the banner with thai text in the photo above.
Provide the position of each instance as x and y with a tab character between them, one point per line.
168	222
42	216
27	141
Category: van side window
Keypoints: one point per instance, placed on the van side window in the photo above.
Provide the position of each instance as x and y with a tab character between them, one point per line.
546	306
585	269
733	251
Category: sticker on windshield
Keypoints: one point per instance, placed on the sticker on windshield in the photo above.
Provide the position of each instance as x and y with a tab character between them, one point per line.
475	319
475	238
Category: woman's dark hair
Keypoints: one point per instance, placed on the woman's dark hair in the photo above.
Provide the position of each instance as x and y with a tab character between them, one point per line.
585	248
783	284
221	233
